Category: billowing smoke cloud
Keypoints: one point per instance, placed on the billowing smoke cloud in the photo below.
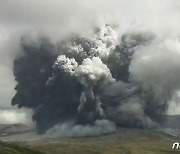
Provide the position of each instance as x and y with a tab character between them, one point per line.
81	67
12	116
89	73
9	45
70	129
69	82
156	69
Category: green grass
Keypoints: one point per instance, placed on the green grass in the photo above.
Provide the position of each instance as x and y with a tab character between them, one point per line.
7	148
124	141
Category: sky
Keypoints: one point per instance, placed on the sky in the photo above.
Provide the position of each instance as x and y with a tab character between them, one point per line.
59	18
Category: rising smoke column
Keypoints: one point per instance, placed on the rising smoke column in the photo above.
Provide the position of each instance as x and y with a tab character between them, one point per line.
90	73
85	83
123	100
31	71
51	103
161	81
59	88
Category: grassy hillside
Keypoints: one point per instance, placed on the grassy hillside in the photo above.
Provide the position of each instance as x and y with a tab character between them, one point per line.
6	148
125	141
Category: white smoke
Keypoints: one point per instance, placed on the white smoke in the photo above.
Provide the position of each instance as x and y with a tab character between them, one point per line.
105	41
93	70
66	64
12	116
174	105
88	73
69	129
157	69
9	47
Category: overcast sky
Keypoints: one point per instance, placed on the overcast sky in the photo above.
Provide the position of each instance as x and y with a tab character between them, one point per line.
58	18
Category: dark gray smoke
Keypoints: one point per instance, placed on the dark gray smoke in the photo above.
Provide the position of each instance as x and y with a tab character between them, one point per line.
83	84
104	63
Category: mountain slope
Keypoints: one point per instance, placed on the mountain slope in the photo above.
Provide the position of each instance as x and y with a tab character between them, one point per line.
124	141
6	148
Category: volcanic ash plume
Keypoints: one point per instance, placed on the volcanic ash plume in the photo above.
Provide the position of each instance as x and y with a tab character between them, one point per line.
86	86
90	73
